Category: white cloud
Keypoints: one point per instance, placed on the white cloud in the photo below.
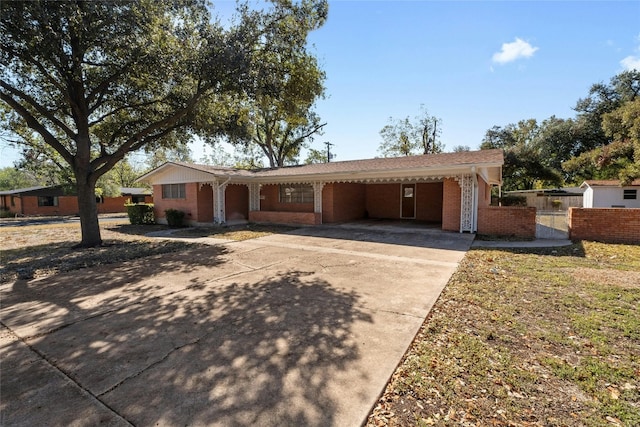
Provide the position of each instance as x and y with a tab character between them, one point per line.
514	50
631	63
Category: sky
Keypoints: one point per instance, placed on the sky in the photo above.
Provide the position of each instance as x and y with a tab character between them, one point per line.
473	64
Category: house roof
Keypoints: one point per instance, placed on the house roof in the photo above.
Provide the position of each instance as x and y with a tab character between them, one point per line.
55	190
135	191
379	168
609	183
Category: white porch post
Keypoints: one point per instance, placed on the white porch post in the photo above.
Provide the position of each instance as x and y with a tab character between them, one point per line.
466	203
254	196
317	198
219	207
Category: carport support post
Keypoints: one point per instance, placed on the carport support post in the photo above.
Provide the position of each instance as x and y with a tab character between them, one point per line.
254	196
219	216
467	213
317	198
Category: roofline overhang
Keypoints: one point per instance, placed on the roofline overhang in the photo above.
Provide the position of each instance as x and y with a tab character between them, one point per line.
343	176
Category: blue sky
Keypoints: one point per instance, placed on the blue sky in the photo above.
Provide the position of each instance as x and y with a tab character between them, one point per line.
473	64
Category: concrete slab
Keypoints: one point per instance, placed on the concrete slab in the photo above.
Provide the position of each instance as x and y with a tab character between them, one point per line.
296	329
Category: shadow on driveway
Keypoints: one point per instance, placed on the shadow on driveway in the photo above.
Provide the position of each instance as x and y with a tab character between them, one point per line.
173	341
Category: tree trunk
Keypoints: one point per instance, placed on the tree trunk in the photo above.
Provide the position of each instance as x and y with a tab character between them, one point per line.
88	213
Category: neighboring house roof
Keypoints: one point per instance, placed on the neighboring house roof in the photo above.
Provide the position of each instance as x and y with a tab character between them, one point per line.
135	191
565	191
609	183
55	190
488	164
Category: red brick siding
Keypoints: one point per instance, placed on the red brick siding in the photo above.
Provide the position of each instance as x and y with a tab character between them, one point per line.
484	193
270	201
383	201
429	202
294	218
608	225
237	202
189	205
204	212
507	221
451	198
343	202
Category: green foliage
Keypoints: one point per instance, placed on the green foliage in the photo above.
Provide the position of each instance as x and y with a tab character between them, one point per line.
277	113
12	178
140	213
85	83
408	137
175	218
513	200
5	213
316	156
525	162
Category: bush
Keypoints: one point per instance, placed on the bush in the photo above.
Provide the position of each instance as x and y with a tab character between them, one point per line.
5	213
140	213
175	218
513	200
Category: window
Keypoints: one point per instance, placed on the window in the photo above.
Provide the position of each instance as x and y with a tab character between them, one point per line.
47	200
173	191
630	194
296	193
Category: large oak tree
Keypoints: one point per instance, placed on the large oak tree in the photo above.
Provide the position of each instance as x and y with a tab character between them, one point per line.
94	80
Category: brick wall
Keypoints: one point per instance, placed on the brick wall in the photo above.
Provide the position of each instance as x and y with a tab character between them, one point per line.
343	202
383	201
608	225
189	205
429	202
237	202
204	212
451	198
270	201
507	221
295	218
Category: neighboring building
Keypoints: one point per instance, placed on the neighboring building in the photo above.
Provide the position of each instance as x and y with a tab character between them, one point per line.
610	194
445	188
51	201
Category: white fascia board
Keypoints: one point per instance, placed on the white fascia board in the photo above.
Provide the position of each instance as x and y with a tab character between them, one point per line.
387	174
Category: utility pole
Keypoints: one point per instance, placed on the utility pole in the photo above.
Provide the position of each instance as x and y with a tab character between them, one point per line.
329	145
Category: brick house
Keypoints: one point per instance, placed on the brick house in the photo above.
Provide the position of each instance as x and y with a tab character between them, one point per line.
447	189
52	201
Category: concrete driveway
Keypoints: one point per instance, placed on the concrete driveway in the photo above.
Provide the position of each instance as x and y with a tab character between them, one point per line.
290	329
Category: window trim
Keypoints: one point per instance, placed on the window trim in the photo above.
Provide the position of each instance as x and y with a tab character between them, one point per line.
47	201
298	194
630	194
174	191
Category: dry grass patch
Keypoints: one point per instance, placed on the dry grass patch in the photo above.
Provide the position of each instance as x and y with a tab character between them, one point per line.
236	232
547	337
36	251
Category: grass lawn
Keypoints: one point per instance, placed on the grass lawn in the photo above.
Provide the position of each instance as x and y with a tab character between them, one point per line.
547	337
36	251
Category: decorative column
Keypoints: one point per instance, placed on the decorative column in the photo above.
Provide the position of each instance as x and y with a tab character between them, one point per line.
254	196
219	207
466	203
317	197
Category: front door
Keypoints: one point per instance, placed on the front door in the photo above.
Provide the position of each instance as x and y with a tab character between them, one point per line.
408	194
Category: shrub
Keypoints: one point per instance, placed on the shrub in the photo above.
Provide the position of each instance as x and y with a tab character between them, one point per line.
5	213
140	213
512	200
175	218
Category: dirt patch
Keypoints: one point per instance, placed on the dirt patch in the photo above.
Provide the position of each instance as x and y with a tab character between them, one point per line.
608	277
